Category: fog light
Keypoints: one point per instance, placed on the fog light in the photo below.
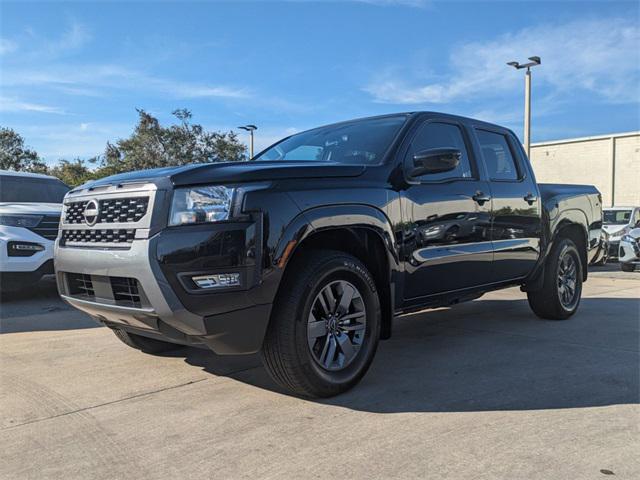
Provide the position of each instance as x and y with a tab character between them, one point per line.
217	280
23	249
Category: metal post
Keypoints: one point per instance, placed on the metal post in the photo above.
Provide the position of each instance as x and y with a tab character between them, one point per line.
250	129
527	99
613	171
527	113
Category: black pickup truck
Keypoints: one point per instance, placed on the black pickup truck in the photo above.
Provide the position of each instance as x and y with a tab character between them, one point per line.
307	252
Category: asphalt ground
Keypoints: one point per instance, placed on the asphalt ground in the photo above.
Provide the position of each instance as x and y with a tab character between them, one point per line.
480	391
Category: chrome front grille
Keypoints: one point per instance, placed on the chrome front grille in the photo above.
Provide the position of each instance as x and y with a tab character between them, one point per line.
109	216
112	210
74	212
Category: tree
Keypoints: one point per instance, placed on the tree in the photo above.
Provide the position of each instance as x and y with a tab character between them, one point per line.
151	145
75	172
15	156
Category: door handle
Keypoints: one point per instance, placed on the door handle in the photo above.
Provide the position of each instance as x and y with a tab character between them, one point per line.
480	198
530	198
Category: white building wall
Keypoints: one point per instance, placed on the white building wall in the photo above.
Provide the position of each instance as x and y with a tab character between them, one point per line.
610	162
627	170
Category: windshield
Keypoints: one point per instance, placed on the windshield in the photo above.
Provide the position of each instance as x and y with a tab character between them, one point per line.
361	142
616	217
15	188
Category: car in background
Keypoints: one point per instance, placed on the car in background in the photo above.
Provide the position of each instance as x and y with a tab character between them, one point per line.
618	221
629	252
30	207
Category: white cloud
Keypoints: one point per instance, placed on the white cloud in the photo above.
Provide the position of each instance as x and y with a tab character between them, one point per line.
90	80
11	104
194	90
600	56
7	46
73	38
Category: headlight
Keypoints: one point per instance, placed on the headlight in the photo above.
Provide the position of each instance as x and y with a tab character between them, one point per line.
205	204
27	221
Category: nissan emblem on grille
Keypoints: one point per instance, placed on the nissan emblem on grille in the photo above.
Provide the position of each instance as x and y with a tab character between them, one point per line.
91	213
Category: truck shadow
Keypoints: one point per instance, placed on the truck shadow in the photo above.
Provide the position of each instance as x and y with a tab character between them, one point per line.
488	355
40	308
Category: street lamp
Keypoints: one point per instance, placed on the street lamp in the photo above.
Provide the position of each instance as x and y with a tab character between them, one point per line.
250	129
527	98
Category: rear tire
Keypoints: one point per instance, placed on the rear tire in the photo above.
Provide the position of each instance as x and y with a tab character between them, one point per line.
627	267
144	344
325	326
562	288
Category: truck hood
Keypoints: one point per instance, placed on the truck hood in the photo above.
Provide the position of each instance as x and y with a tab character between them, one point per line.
30	208
234	172
614	230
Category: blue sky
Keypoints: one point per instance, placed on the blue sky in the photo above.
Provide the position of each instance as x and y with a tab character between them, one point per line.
72	74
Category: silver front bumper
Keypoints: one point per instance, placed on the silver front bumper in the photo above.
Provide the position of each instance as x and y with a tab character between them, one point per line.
131	263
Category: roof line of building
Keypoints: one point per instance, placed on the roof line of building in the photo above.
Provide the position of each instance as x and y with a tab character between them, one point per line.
586	139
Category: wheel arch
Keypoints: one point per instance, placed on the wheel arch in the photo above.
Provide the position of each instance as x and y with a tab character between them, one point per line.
359	230
571	224
577	233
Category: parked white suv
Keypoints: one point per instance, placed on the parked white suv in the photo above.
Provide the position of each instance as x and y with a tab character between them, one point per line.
30	206
629	253
617	222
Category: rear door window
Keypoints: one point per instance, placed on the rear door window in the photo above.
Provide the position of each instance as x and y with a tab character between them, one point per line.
497	156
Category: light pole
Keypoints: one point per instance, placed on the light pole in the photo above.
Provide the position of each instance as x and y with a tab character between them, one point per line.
527	98
250	129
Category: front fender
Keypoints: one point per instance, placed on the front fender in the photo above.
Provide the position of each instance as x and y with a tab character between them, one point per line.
332	217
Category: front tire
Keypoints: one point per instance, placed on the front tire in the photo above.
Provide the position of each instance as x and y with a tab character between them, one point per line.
562	288
144	344
627	267
325	327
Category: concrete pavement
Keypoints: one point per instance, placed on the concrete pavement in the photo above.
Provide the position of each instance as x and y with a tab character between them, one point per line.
482	390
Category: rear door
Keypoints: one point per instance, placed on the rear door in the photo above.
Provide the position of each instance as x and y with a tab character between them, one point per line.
516	215
446	244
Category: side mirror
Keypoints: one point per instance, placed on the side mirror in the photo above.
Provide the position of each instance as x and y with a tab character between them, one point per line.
435	160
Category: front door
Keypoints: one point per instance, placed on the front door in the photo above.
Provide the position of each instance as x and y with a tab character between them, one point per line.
446	219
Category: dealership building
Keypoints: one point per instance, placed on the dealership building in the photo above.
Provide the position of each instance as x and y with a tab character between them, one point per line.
610	162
